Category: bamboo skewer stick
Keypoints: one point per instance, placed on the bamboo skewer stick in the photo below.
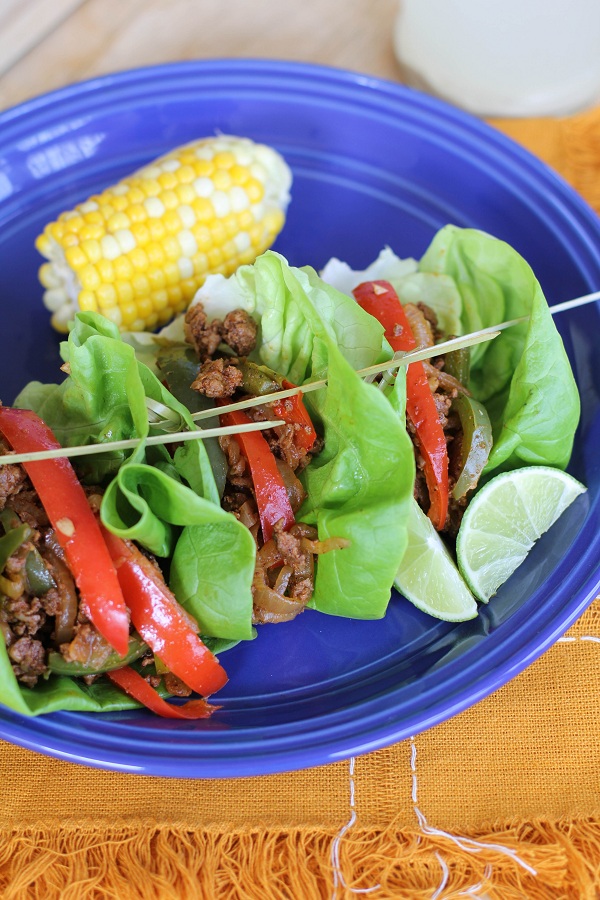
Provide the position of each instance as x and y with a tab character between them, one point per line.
485	334
131	444
466	340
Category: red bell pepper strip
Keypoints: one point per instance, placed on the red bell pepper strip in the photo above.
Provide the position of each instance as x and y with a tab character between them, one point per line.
138	688
74	523
381	300
160	620
272	498
293	411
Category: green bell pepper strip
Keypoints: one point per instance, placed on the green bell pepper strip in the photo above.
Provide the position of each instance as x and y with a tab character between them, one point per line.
475	445
11	542
60	666
39	579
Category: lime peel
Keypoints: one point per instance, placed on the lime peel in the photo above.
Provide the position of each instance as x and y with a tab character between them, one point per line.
428	577
513	509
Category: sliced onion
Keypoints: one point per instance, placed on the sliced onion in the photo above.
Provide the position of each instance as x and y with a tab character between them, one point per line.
283	579
333	543
269	606
64	622
269	555
420	327
248	514
295	491
445	380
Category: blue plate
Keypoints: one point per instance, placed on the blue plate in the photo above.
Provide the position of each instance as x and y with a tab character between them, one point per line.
373	164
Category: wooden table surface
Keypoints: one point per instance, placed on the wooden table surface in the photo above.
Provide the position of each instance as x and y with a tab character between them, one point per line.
45	44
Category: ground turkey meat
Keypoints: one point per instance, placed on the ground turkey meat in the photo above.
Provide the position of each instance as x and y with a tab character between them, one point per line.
217	380
239	332
29	660
11	479
205	337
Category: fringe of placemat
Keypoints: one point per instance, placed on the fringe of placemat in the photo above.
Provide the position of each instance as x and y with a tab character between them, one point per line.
150	862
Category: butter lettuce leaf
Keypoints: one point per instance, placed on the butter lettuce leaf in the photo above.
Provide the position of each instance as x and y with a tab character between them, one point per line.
360	485
523	376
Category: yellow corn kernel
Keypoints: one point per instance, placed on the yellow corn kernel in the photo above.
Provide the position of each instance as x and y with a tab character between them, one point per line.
114	314
76	257
245	219
171	221
186	174
172	276
156	229
137	213
215	257
239	174
168	180
141	233
91	250
106	271
222	180
91	232
123	268
47	276
203	168
160	300
93	217
203	236
144	308
255	190
172	249
139	260
185	193
155	254
175	295
128	313
141	286
118	220
87	300
124	291
139	250
157	279
224	160
107	296
203	209
169	199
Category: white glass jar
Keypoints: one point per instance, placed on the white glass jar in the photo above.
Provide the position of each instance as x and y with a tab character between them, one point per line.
509	58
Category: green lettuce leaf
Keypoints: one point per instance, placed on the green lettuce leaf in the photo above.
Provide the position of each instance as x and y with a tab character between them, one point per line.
360	485
523	376
171	506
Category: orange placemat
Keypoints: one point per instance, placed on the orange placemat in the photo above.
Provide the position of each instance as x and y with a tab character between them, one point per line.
501	802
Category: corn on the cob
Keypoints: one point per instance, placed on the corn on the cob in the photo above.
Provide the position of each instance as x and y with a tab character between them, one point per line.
139	251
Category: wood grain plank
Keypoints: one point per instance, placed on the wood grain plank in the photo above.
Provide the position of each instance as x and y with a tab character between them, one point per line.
110	35
24	24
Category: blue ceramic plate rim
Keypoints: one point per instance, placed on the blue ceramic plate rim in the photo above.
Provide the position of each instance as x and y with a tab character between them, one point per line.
380	721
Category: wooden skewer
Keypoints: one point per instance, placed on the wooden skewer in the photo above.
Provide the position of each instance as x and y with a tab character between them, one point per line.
466	340
131	444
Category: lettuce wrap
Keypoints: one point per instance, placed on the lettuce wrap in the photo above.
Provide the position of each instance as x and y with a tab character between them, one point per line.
359	486
472	281
523	377
151	498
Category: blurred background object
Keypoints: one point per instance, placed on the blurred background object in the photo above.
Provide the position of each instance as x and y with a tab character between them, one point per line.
46	45
514	58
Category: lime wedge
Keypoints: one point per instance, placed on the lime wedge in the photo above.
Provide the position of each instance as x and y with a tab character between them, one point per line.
428	576
504	520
